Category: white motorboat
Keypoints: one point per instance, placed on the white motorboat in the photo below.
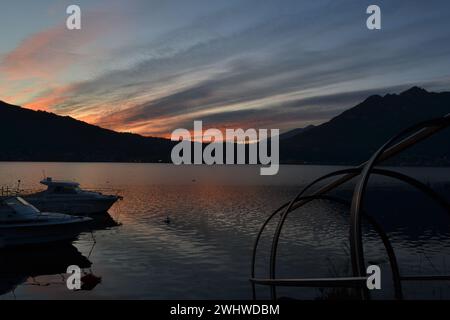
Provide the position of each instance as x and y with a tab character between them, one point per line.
67	197
23	224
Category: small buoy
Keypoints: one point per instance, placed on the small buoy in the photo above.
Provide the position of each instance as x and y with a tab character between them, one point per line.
167	220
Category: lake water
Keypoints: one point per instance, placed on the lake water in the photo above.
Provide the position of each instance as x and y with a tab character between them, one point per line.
216	212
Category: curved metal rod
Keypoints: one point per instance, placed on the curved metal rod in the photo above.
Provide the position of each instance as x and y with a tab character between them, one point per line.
380	232
342	282
351	172
389	153
280	224
417	184
396	277
255	245
393	174
266	222
407	142
356	245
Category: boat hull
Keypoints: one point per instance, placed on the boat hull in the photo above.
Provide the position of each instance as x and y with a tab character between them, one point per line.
72	206
24	234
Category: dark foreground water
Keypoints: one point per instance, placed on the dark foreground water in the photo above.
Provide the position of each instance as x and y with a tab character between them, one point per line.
216	212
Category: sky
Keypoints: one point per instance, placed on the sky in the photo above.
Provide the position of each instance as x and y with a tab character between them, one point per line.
152	66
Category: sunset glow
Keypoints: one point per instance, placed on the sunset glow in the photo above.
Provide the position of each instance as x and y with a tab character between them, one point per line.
230	64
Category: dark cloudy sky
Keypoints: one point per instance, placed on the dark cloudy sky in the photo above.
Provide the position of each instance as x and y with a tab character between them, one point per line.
151	66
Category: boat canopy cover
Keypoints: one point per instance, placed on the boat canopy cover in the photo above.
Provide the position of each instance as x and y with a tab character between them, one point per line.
59	183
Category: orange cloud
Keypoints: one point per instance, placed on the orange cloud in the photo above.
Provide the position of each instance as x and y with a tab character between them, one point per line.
38	65
45	54
52	98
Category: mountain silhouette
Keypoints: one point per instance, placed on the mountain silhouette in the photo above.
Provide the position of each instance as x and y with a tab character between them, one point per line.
295	132
29	135
354	135
349	138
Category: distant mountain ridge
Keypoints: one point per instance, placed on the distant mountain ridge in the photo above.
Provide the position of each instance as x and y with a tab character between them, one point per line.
349	138
353	136
294	132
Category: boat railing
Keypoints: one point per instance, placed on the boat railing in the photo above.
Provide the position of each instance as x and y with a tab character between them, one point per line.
105	190
7	191
361	173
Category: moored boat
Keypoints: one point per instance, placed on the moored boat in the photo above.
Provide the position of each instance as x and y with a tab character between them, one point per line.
67	197
23	224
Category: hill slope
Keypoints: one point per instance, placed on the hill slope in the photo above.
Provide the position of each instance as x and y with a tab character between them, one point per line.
29	135
354	135
349	138
294	132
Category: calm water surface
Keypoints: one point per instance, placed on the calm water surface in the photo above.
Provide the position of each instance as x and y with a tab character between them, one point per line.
216	212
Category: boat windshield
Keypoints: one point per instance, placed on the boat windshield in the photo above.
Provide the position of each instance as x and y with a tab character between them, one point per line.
21	207
64	190
16	202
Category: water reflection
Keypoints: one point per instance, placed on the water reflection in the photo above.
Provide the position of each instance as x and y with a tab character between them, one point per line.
204	252
103	221
24	265
46	265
